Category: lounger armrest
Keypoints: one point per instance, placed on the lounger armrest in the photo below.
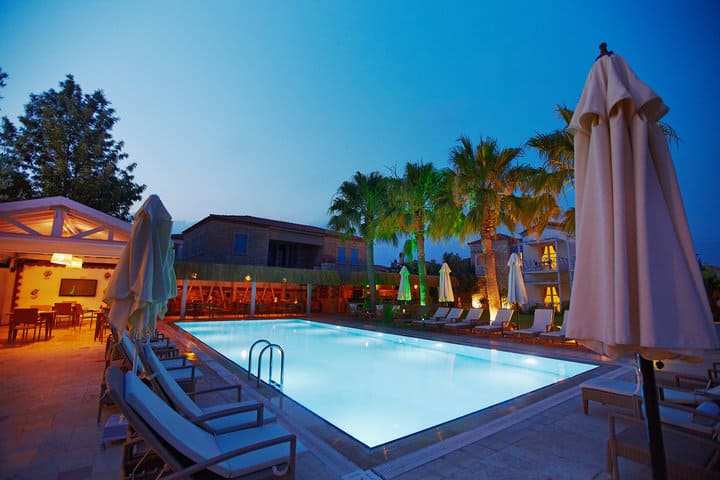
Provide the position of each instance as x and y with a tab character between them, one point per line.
257	407
167	359
198	467
190	367
237	387
166	352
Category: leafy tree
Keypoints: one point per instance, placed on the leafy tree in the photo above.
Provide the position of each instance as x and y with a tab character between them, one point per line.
422	203
65	142
557	151
358	208
14	184
492	192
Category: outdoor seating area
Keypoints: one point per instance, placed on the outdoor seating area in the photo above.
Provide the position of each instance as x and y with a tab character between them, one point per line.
43	319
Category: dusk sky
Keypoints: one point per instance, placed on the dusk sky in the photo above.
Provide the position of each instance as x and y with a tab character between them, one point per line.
265	108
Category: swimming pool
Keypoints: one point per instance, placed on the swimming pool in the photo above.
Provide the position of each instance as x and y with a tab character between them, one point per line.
379	387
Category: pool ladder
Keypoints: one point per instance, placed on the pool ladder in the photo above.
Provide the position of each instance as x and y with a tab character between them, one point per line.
267	345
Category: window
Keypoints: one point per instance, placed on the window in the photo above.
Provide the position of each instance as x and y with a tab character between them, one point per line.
549	258
552	297
341	256
240	244
354	256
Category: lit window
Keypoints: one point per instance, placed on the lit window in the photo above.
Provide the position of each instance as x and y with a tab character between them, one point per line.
549	258
354	256
240	244
341	256
552	297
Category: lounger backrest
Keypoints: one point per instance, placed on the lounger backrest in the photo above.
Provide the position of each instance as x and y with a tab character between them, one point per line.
127	348
543	318
189	439
455	313
441	312
503	315
170	388
474	314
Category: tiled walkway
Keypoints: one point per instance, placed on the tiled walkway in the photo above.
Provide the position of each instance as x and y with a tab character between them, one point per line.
49	398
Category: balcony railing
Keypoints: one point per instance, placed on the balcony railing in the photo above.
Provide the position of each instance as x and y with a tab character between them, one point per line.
532	265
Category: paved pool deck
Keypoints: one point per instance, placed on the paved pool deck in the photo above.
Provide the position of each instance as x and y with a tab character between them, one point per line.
49	402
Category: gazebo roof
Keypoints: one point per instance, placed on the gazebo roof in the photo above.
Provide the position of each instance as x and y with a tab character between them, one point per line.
39	227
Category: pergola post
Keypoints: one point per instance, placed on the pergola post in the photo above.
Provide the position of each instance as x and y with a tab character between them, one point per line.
308	304
252	298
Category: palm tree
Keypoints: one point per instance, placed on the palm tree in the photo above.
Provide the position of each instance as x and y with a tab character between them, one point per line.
557	151
492	192
422	205
358	208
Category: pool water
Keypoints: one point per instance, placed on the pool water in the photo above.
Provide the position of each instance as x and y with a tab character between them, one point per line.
379	387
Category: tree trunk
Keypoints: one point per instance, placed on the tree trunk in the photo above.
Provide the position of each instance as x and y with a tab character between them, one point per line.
491	284
371	273
422	273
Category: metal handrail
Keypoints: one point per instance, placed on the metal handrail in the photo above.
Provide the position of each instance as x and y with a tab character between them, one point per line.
272	346
262	340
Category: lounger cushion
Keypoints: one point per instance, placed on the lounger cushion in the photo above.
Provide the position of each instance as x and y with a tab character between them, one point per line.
199	445
255	460
189	439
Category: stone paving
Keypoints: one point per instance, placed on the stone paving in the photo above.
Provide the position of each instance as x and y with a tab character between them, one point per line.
49	401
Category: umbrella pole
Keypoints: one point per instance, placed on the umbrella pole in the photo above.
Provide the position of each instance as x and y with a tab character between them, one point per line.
652	419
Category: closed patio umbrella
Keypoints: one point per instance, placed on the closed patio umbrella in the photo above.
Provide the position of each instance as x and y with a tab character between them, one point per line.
445	292
517	294
404	292
144	279
637	288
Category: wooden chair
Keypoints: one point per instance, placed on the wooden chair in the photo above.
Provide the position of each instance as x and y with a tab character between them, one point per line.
79	314
24	319
63	311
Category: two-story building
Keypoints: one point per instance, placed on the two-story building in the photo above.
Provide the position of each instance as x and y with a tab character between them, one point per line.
247	240
249	265
548	266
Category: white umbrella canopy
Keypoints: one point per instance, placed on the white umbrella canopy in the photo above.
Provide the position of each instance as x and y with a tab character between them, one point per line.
517	293
445	292
144	278
404	292
637	286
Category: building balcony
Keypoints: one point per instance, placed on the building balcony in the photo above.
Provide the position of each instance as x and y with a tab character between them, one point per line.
542	266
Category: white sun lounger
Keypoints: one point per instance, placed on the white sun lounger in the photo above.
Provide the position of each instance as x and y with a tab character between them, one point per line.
217	418
498	324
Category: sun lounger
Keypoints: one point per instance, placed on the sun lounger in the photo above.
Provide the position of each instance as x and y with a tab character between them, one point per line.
542	319
497	325
558	335
187	450
470	320
622	394
183	372
215	419
438	316
618	393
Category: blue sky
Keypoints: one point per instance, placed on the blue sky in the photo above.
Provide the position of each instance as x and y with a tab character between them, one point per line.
265	108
